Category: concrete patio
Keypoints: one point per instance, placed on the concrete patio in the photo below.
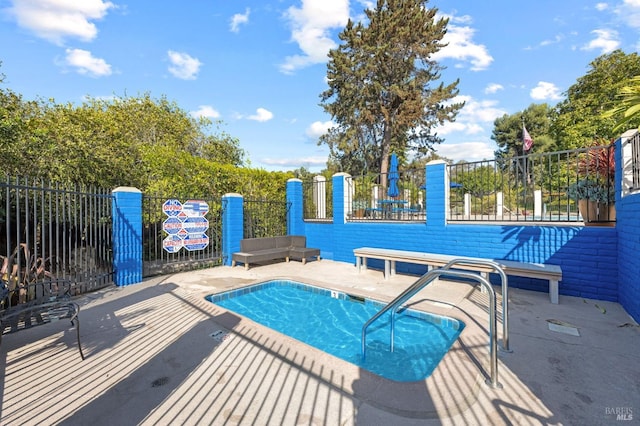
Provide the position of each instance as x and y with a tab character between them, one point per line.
151	359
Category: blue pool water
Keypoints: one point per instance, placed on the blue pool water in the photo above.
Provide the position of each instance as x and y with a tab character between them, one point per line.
332	321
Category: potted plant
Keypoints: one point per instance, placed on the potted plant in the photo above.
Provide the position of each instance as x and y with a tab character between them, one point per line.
359	208
594	192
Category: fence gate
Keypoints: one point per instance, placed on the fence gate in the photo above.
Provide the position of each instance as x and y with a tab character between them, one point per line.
180	234
47	231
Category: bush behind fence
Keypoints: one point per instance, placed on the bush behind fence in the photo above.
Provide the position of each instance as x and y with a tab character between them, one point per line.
48	231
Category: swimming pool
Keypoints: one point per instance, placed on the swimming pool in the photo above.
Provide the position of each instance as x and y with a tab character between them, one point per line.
332	322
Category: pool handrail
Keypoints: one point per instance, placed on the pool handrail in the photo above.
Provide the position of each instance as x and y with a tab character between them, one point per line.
505	292
421	283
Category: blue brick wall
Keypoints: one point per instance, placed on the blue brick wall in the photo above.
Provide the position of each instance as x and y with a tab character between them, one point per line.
573	248
628	215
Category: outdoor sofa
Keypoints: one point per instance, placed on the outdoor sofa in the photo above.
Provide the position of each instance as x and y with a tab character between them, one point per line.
254	250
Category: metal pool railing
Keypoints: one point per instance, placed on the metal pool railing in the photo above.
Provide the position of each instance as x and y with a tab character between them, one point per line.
419	285
505	292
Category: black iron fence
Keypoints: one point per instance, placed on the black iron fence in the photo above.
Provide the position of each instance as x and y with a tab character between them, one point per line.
567	186
317	198
377	197
190	241
369	197
264	218
48	231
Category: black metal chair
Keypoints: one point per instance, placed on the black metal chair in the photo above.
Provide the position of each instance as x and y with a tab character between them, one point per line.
37	303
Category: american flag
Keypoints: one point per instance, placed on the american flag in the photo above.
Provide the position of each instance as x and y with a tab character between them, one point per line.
527	142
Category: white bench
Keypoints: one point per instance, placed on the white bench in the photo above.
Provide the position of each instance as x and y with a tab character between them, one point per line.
551	273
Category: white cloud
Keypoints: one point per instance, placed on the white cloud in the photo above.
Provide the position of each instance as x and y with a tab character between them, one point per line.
367	4
475	118
493	88
601	6
85	63
461	46
310	27
468	151
460	126
606	41
474	111
56	20
239	19
205	111
557	39
629	12
545	90
183	66
319	128
261	115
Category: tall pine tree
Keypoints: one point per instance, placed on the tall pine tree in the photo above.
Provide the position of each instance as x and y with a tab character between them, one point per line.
380	87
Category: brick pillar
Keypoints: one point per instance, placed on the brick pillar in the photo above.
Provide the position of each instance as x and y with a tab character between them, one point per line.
437	193
127	235
295	215
341	197
232	225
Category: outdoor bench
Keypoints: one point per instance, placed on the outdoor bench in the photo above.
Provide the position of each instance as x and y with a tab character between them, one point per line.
253	250
544	271
37	303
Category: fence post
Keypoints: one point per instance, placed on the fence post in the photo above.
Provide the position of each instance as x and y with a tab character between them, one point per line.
127	235
232	225
437	193
467	205
341	197
499	204
295	212
320	196
537	203
624	180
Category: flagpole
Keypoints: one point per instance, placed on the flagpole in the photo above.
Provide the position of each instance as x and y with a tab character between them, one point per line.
525	178
523	134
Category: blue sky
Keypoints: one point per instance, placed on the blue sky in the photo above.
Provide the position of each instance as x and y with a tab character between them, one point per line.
260	66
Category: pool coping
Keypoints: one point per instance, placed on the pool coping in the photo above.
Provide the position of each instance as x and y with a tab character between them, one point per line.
433	397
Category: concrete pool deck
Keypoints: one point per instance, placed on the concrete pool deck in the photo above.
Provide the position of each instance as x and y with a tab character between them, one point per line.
158	353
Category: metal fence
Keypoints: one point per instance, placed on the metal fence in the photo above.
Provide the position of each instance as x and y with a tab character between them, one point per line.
566	186
48	231
317	199
265	218
161	254
369	197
